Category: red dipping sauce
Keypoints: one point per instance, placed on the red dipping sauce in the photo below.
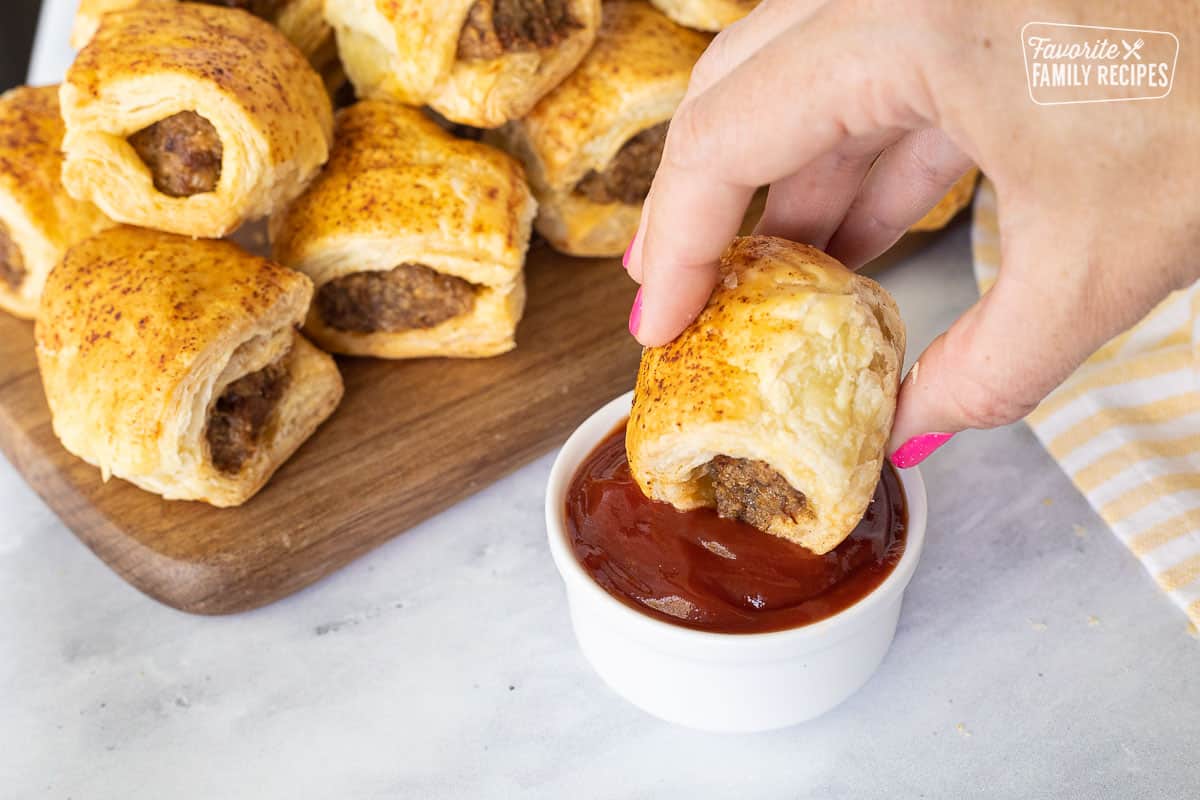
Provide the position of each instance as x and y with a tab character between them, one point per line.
694	569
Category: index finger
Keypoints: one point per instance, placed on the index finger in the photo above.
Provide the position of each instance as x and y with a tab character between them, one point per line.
808	90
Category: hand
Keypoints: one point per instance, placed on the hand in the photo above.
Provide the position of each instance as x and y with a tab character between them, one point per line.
859	115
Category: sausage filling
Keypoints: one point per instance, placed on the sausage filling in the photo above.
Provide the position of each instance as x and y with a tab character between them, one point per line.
239	417
409	296
627	177
12	264
496	27
259	8
752	492
183	153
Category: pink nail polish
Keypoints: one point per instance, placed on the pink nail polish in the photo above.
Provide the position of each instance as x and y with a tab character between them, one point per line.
635	314
917	449
628	250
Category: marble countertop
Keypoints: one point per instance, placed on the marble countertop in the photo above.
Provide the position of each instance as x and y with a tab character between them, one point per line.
1034	658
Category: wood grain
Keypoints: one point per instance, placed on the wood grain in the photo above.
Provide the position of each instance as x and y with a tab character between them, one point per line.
410	439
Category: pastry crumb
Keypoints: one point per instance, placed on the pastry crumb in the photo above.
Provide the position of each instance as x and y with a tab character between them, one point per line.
1037	626
719	549
1048	501
1093	621
1193	631
962	730
1079	530
673	605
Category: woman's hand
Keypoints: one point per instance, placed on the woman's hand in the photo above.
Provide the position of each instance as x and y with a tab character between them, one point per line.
860	114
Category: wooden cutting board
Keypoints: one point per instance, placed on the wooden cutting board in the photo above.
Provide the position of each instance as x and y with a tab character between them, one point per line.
410	439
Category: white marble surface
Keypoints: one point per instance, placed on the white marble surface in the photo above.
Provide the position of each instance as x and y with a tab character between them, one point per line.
1034	659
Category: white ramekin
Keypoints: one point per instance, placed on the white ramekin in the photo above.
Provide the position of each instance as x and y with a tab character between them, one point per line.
716	681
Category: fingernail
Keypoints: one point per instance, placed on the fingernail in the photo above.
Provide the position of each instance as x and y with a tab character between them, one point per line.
625	258
635	314
917	449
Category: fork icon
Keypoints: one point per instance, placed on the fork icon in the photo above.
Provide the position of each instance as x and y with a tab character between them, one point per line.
1132	49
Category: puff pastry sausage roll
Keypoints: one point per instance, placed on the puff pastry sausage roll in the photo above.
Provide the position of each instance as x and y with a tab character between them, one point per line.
706	15
175	364
191	119
775	405
301	21
476	62
592	145
414	239
954	201
38	220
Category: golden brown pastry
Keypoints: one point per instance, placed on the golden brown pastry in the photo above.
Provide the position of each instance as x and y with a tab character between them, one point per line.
706	15
592	145
476	62
191	119
415	240
38	219
175	364
954	201
87	18
301	21
775	405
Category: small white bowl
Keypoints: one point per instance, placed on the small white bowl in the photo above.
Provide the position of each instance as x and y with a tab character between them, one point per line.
716	681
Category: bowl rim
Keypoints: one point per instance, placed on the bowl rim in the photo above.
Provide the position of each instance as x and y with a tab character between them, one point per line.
580	444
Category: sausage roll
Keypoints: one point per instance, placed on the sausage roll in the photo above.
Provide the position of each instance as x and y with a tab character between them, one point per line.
592	145
706	15
191	119
415	240
775	405
38	219
301	21
175	364
476	62
954	201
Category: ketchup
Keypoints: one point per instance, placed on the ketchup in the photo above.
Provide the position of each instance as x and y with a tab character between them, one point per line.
694	569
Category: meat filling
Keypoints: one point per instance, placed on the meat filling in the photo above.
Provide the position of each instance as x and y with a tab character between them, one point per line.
12	264
240	415
183	153
752	492
496	27
627	177
409	296
259	8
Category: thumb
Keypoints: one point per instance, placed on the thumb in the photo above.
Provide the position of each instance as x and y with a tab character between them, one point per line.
1053	305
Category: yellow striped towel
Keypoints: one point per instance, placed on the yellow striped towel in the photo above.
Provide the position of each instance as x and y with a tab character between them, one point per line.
1126	427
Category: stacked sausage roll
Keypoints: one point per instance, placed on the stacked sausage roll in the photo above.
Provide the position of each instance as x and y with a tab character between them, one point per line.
175	363
191	119
38	219
301	21
592	145
415	239
476	62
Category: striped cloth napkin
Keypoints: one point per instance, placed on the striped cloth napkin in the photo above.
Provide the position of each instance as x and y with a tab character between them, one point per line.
1126	427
